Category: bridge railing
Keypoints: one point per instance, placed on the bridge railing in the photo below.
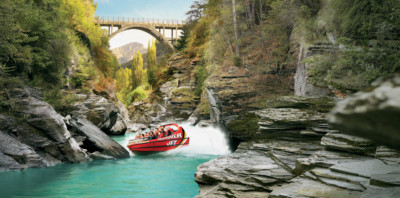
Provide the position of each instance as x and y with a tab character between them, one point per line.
119	20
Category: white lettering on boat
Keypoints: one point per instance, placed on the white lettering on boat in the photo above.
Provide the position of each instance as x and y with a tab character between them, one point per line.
171	143
179	135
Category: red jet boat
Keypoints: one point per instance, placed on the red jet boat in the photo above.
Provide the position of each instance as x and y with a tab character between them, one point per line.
177	139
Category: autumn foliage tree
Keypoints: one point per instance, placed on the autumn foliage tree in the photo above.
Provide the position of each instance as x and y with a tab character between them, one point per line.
152	63
139	75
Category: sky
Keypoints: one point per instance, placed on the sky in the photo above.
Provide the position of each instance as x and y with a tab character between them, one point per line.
162	9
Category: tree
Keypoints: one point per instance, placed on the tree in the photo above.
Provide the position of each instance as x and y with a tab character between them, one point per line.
122	77
235	29
182	41
138	73
196	11
151	62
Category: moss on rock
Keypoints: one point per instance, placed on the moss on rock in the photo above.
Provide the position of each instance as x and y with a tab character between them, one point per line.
245	126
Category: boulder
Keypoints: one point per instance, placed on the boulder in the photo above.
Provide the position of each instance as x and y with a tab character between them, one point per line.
103	113
114	127
136	127
372	114
96	139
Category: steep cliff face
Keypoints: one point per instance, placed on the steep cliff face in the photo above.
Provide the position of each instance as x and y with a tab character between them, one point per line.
302	82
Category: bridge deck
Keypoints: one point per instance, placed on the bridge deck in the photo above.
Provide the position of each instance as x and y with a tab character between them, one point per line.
157	23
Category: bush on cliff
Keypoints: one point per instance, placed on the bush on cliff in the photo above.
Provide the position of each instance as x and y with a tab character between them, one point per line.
368	32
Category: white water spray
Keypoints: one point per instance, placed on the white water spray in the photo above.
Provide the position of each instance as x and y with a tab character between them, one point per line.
203	141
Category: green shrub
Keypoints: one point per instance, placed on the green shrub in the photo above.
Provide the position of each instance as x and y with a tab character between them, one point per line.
138	94
353	69
201	76
245	124
60	100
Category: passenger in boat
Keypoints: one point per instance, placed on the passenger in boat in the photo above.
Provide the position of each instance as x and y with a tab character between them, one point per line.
158	133
162	133
170	131
154	136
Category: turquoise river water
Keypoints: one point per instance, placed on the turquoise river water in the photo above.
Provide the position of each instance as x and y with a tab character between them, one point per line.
169	174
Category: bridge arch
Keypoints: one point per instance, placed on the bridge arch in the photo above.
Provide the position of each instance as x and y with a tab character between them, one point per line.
147	25
148	29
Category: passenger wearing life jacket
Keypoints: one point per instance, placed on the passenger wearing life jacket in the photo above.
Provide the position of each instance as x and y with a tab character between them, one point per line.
160	133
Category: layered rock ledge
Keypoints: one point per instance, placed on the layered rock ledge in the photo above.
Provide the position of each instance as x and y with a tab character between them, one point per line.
295	153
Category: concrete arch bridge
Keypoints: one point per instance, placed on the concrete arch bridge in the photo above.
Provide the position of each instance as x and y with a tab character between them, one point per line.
154	27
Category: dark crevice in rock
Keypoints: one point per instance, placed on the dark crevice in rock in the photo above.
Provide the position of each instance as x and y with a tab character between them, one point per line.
90	146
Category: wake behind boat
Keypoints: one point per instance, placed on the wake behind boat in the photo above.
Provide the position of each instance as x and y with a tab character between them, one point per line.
166	137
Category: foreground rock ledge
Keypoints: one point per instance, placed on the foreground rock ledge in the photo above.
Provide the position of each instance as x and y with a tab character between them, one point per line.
373	114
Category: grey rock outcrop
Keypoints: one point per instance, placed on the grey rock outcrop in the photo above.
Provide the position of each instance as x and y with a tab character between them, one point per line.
96	139
33	134
28	103
373	114
103	113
